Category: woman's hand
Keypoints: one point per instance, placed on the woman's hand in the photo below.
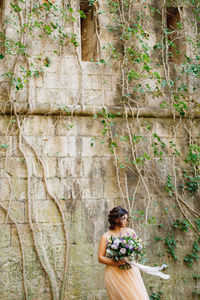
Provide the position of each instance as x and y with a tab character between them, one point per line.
119	262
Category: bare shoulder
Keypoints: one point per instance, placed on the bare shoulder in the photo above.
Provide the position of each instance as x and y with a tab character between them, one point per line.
106	235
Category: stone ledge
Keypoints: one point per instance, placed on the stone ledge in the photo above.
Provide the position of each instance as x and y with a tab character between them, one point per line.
90	110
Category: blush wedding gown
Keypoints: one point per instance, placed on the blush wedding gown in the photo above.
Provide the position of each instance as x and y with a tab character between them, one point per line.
124	284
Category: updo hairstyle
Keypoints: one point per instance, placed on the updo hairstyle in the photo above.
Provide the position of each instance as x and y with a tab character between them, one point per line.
116	213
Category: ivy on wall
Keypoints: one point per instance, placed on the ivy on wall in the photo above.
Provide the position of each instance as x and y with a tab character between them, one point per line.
162	72
166	72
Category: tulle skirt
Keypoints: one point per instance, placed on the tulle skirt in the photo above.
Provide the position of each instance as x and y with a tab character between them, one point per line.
124	284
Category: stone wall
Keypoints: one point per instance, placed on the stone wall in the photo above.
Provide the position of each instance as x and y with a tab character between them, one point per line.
57	188
83	180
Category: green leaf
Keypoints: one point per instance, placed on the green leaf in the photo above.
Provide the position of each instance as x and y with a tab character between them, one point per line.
15	7
82	14
4	146
122	166
47	62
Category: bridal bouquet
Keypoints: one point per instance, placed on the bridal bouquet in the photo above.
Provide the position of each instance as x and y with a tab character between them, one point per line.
127	247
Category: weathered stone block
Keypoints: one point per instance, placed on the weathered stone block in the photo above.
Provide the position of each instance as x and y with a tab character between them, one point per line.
59	97
96	150
50	166
55	146
55	65
66	126
74	146
47	212
66	84
36	279
68	63
97	82
16	210
75	294
57	257
2	214
38	126
81	254
92	167
92	188
46	295
98	280
108	167
5	236
53	234
110	98
142	126
5	146
93	98
36	143
167	128
97	295
87	82
51	80
76	126
76	234
38	189
107	82
61	190
19	170
75	82
25	233
91	68
15	147
19	186
70	167
77	274
111	188
5	189
7	124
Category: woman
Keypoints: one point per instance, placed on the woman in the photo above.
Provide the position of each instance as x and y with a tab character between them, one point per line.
121	284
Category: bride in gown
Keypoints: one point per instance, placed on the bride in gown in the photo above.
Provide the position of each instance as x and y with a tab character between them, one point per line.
121	284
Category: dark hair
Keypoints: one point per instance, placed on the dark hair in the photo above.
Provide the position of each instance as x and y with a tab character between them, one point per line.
116	213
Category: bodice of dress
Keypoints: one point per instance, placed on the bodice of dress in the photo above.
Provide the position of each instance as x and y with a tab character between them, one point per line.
126	230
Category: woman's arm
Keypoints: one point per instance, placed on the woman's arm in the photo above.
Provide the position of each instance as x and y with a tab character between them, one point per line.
102	255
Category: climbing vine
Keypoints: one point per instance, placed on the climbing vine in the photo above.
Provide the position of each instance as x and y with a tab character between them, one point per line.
161	74
32	23
137	63
158	78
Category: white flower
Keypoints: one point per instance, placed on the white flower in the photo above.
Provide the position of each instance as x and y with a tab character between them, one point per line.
123	250
109	252
117	241
140	247
114	246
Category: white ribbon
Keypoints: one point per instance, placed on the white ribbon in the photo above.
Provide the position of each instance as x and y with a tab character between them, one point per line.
151	270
